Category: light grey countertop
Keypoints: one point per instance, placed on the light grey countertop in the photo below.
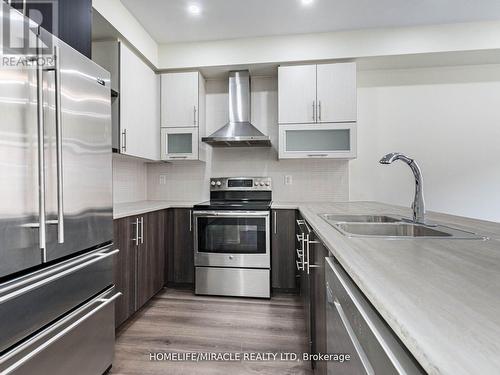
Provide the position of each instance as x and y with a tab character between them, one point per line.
440	296
121	210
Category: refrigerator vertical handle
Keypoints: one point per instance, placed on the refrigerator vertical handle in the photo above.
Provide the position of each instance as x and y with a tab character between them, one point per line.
59	156
41	162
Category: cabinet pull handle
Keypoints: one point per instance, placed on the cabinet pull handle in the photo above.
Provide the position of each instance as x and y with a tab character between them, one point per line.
190	220
136	238
314	111
300	267
317	155
319	110
177	157
194	115
124	140
275	224
142	229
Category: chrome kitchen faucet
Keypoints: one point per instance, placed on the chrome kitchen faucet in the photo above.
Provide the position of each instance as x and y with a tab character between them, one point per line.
418	204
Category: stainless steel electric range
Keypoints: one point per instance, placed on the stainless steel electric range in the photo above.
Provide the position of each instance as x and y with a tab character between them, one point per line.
232	249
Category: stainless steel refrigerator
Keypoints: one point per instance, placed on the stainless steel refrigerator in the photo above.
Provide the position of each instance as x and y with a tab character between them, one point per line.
56	249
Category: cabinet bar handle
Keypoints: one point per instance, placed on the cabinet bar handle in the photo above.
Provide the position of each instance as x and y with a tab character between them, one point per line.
190	220
275	224
194	116
314	111
124	140
319	110
317	155
142	229
136	238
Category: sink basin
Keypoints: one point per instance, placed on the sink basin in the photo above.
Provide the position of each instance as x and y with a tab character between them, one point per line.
383	226
391	230
360	218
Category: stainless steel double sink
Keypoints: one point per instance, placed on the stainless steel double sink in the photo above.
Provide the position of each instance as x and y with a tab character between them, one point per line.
393	227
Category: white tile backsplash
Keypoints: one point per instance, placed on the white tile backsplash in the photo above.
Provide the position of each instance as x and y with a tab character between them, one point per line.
129	179
312	180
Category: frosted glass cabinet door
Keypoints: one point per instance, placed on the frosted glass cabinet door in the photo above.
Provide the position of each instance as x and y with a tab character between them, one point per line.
179	143
317	141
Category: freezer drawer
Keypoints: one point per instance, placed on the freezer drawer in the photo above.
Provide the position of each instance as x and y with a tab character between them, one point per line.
80	343
354	327
237	282
29	303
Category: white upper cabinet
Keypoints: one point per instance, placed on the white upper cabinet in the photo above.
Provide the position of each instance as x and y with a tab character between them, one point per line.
311	94
139	107
180	99
297	94
336	92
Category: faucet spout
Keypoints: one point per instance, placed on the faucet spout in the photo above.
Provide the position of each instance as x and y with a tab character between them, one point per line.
418	204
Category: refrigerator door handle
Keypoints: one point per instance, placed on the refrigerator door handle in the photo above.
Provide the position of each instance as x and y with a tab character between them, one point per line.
59	155
41	161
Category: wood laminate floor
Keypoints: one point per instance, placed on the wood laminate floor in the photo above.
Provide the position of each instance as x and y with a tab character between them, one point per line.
179	321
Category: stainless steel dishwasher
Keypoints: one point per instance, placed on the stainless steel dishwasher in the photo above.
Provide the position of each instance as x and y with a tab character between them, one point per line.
355	328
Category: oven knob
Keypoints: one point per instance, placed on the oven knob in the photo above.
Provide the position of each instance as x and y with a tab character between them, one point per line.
256	183
219	183
261	183
231	257
212	183
267	183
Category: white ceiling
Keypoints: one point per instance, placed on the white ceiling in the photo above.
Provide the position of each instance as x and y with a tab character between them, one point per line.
169	21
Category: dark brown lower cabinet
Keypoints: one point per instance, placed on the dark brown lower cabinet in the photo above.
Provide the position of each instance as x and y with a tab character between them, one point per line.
318	253
180	251
283	246
140	264
124	269
313	291
151	257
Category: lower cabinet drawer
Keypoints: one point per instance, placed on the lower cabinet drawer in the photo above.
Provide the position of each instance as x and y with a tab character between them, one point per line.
80	343
244	282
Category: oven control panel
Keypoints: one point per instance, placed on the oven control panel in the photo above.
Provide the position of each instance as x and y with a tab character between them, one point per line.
240	183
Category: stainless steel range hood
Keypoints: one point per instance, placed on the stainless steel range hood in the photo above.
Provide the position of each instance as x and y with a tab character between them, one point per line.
238	132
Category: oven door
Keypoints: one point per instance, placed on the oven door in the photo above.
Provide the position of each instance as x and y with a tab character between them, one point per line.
232	239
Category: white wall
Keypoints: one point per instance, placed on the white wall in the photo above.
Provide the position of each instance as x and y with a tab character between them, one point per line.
312	179
448	119
332	45
128	26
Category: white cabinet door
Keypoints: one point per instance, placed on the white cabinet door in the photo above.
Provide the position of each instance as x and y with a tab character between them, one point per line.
336	85
306	141
179	143
139	107
297	94
179	99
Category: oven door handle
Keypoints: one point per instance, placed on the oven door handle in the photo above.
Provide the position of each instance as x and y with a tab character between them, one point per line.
223	213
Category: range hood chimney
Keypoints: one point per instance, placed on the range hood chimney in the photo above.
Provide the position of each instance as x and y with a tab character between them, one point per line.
238	132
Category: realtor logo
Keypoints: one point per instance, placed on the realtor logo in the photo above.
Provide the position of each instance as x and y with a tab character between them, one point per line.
19	34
